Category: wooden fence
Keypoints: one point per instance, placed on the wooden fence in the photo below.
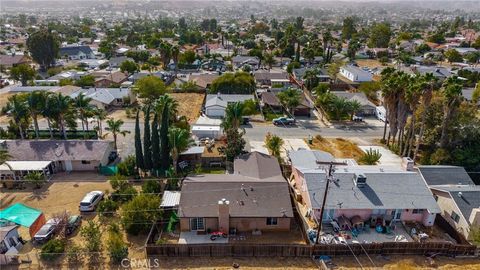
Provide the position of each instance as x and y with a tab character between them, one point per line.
291	250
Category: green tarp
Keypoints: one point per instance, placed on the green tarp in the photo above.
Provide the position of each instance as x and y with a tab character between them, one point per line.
20	214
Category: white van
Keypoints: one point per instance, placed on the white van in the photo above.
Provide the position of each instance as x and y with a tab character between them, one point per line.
381	113
90	201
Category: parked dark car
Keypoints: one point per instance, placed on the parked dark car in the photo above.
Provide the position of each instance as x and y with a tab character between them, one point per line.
46	232
283	121
73	223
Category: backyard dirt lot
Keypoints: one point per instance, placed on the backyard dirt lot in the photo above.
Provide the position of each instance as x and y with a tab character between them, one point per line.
55	197
338	147
189	104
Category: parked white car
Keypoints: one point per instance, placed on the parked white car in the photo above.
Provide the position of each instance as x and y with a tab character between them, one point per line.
90	201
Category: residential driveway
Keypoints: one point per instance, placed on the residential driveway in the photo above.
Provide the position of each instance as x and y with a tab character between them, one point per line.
194	238
388	157
258	146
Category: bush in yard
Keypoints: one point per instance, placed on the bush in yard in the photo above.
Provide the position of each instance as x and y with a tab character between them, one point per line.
124	195
92	236
36	178
116	246
371	157
139	213
107	207
52	250
127	166
152	186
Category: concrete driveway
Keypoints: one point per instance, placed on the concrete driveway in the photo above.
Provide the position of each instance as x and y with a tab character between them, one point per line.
194	238
388	157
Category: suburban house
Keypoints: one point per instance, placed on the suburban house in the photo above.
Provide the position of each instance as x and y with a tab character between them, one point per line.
106	98
215	104
270	101
264	77
10	61
203	80
299	73
456	194
10	242
115	62
166	76
206	127
355	74
254	198
368	193
467	93
70	155
368	108
240	61
112	79
76	52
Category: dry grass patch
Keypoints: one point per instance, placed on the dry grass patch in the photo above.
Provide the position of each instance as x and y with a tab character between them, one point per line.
189	104
338	147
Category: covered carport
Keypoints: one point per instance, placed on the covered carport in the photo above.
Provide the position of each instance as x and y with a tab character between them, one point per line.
17	170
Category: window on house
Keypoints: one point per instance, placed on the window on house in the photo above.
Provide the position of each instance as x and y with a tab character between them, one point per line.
271	221
12	242
85	162
197	224
455	217
417	211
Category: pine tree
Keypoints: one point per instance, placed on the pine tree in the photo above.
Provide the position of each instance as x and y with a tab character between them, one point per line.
147	144
165	149
155	143
138	144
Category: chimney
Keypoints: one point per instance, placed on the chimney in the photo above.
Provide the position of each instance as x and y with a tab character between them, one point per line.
475	216
223	215
360	180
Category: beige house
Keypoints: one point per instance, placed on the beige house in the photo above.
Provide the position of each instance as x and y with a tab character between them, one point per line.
255	201
66	155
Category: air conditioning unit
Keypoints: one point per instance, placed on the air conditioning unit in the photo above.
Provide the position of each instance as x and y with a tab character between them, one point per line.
359	179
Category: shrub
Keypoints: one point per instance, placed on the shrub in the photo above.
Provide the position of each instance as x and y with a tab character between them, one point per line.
124	195
107	207
152	186
127	166
116	247
92	236
371	157
52	250
140	213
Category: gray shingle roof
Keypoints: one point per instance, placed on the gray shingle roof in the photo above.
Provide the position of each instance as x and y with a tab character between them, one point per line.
469	200
307	159
384	190
258	165
360	97
445	175
74	50
57	149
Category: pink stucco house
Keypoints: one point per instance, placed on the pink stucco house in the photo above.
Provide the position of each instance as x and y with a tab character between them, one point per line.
364	192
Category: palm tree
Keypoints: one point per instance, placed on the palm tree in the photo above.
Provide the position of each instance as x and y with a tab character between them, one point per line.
36	101
62	106
339	106
353	107
49	112
179	140
233	116
115	126
412	97
290	99
429	86
172	107
452	90
4	156
101	115
274	144
269	60
18	109
175	53
82	104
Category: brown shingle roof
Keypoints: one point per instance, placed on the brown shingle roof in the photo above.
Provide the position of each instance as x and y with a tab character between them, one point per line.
57	149
257	165
9	60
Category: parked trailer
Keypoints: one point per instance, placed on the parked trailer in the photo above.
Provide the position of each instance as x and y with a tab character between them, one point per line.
381	113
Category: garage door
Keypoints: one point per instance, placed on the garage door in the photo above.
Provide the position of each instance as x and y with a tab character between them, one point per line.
215	112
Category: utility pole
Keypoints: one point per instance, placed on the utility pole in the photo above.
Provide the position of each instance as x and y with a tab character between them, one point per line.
327	178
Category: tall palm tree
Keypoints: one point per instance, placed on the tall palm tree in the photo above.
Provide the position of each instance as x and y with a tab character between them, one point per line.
50	112
18	109
387	82
452	91
115	126
36	102
412	97
290	99
233	116
269	60
100	115
274	144
84	109
179	140
63	106
175	53
339	106
429	87
353	107
172	107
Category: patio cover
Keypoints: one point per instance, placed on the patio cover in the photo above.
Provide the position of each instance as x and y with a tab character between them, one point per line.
24	165
170	199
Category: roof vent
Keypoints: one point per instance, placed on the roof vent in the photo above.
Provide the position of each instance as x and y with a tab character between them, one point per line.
360	180
460	194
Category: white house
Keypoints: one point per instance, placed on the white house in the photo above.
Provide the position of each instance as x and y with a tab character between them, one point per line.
10	240
215	105
76	52
355	74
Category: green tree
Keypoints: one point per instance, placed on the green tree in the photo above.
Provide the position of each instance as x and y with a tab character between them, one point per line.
138	144
274	144
149	88
235	144
84	109
452	91
147	142
269	60
380	35
167	104
453	55
188	57
138	215
92	236
476	94
476	43
151	186
36	102
22	73
52	249
129	67
472	57
85	81
370	157
233	115
155	143
116	247
179	140
290	99
18	110
233	83
43	47
348	28
115	126
36	178
127	166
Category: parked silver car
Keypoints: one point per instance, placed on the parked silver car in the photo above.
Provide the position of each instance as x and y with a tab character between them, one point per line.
90	201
